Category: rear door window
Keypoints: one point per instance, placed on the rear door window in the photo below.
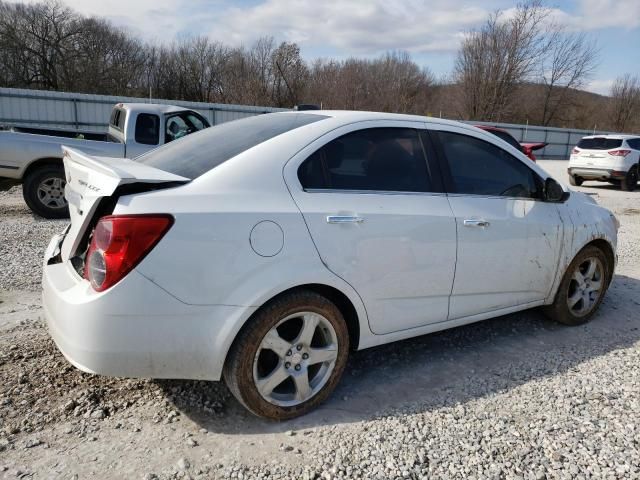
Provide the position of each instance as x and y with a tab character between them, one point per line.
374	159
478	167
147	129
196	154
599	143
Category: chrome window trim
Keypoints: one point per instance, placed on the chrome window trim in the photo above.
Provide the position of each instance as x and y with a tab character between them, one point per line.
372	192
495	196
429	194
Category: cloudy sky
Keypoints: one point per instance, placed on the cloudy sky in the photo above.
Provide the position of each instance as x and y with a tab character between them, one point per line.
429	29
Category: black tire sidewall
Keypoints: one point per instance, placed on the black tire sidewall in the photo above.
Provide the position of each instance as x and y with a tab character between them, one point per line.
30	192
559	310
238	370
630	182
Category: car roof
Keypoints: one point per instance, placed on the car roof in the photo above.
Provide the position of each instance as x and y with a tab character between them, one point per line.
157	108
350	116
613	136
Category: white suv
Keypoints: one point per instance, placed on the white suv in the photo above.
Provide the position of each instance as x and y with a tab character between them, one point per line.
610	158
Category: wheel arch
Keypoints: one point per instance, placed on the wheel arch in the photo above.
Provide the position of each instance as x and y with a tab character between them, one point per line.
601	242
333	294
606	248
39	163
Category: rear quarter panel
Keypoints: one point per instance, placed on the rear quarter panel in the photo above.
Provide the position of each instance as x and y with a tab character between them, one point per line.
207	257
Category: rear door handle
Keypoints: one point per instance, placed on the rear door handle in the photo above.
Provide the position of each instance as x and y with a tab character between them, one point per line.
473	222
344	219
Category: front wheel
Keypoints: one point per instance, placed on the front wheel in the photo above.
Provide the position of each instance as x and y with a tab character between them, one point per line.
290	357
630	181
43	192
582	288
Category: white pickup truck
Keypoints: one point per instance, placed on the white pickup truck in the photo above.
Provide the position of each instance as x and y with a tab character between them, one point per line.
33	156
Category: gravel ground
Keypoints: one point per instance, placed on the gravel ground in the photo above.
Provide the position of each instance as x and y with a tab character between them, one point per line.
512	397
24	237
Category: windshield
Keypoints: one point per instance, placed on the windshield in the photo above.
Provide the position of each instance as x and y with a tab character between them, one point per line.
599	143
193	155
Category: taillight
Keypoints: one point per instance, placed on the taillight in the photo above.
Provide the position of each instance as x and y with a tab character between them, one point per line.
575	151
619	153
119	243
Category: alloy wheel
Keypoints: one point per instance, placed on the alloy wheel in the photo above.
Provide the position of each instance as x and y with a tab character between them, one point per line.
295	359
51	192
586	286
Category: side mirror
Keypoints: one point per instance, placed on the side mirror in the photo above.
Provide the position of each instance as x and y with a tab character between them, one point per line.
553	191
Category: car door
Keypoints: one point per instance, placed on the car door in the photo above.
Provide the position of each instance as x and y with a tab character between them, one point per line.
379	220
509	240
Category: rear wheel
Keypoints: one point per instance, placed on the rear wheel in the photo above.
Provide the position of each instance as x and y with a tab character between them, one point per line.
43	192
582	288
630	181
575	180
290	357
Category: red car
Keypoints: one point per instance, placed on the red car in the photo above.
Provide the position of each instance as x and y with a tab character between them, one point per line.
526	148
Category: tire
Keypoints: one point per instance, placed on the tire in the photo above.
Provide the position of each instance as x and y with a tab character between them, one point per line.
570	288
251	360
575	180
46	180
630	181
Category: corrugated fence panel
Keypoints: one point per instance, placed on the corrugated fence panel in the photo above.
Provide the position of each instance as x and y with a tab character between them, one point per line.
85	112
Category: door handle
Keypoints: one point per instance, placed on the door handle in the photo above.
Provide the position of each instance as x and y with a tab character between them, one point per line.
344	219
476	223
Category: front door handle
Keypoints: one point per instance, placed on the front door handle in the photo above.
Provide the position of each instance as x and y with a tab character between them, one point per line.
344	219
473	222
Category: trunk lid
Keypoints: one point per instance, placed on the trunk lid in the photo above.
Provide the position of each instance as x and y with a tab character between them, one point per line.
594	158
92	179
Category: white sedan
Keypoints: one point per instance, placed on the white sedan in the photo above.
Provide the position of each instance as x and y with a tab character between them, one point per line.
263	250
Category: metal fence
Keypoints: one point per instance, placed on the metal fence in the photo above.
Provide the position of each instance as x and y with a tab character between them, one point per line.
86	112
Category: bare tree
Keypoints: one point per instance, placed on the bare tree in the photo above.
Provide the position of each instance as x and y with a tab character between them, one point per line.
514	57
390	83
568	61
625	105
493	61
290	75
41	36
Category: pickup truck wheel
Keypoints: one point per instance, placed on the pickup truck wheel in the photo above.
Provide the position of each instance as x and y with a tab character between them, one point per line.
629	183
43	192
582	288
289	357
575	180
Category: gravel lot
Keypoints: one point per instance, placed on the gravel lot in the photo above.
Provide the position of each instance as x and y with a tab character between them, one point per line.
513	397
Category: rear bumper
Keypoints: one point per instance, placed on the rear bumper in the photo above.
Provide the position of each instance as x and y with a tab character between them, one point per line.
596	173
135	329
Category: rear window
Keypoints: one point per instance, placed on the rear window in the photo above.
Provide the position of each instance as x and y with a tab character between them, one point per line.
599	143
195	154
